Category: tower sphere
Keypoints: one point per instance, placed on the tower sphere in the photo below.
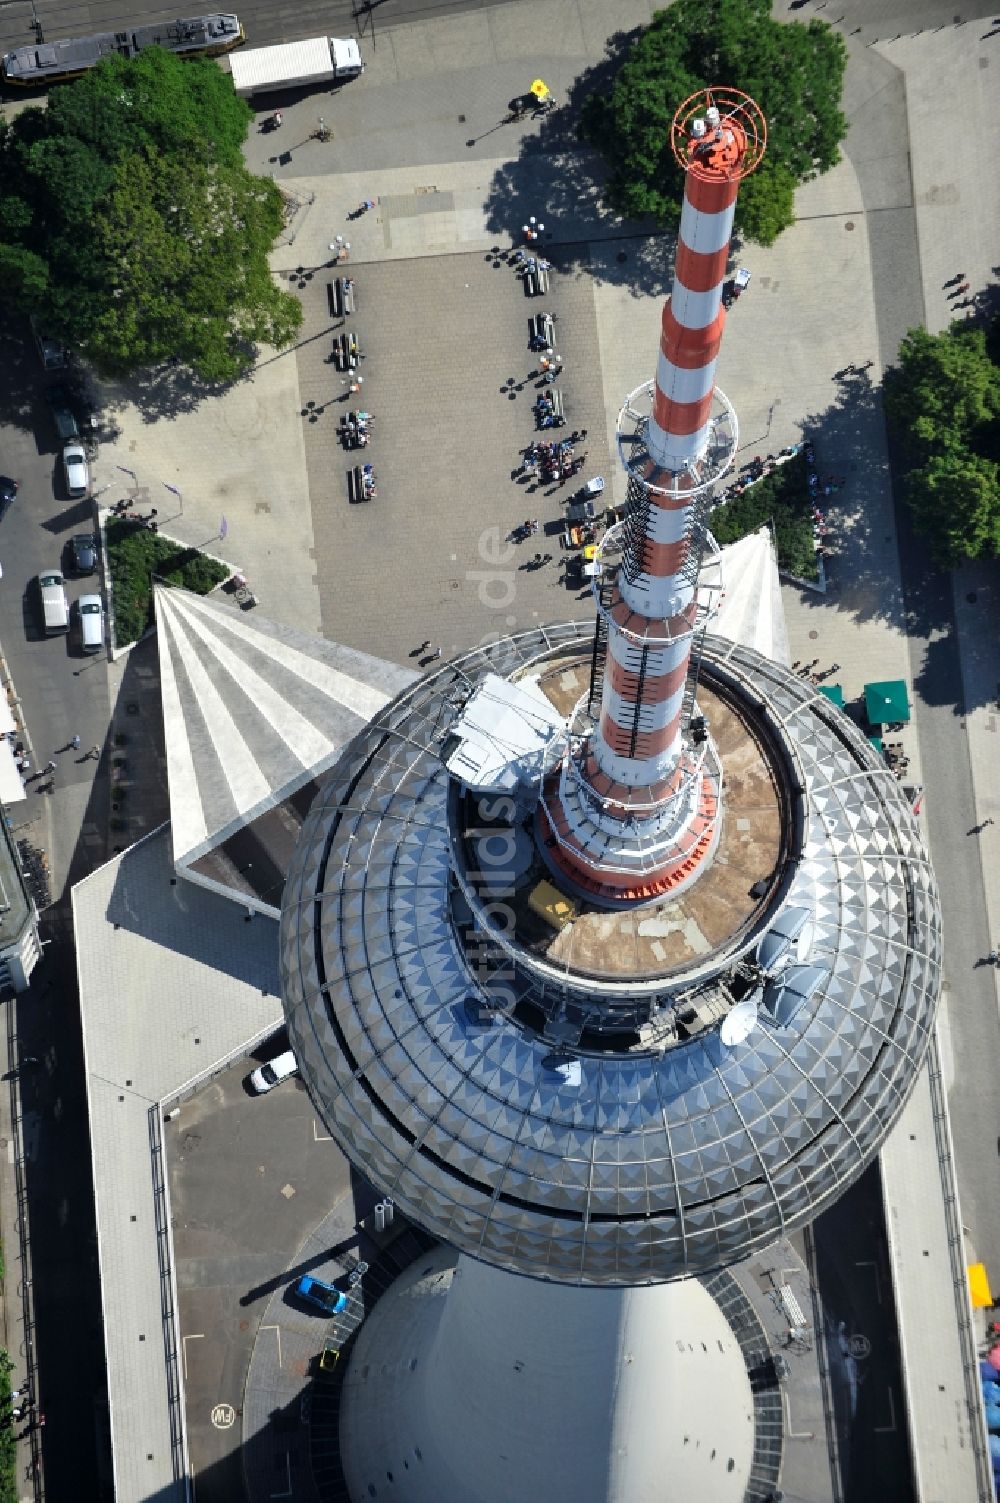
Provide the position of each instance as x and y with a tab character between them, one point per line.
600	1096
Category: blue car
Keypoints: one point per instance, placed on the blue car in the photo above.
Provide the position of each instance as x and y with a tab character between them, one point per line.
324	1296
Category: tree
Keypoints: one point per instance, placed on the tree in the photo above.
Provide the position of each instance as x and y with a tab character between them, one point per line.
795	73
130	225
943	401
955	501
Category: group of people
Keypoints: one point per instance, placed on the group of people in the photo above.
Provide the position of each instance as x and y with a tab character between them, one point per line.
755	469
356	430
551	461
22	1409
123	508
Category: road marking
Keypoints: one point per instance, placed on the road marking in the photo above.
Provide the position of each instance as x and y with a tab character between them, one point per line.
288	1471
223	1416
277	1332
320	1137
195	1336
870	1263
793	1434
891	1427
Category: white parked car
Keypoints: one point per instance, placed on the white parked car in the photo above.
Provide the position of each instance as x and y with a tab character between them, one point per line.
268	1075
91	610
77	473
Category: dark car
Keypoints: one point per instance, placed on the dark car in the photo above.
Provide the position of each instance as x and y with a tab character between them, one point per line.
8	490
83	553
62	414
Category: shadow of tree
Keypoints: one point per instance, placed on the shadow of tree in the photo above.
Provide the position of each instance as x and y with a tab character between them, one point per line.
868	539
561	182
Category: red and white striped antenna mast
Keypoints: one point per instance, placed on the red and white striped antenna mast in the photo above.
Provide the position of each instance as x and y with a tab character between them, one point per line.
633	811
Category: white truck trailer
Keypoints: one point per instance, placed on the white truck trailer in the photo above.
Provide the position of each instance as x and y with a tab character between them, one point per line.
293	65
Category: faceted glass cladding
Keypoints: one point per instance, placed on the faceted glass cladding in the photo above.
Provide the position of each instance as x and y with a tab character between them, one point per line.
646	1167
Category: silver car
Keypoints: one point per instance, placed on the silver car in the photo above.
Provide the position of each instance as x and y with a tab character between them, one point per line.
77	472
91	611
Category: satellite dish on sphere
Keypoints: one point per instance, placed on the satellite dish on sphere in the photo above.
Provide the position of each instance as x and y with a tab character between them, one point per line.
738	1024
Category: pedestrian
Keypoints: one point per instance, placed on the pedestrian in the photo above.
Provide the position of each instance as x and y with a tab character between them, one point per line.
75	743
95	752
435	654
988	821
963	288
834	667
424	645
50	766
278	117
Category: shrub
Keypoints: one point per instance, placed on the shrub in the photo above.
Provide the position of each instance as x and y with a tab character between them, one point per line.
135	554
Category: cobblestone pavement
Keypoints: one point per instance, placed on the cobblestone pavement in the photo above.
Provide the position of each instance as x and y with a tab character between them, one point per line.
442	339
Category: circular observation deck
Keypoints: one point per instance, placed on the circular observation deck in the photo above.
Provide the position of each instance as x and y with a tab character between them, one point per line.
550	1089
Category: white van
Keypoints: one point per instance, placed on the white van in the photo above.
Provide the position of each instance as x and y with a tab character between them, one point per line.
55	606
274	1072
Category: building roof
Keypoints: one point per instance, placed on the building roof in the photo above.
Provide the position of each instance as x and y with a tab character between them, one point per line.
173	980
252	712
17	911
660	1161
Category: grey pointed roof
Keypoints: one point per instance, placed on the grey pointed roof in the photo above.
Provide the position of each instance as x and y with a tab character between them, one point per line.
253	713
751	613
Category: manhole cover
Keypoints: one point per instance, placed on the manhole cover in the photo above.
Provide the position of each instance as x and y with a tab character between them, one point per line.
849	225
813	635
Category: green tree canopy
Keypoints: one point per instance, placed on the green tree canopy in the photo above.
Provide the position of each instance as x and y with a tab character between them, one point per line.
795	73
943	400
130	225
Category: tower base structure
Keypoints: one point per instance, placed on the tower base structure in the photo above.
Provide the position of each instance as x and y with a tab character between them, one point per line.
470	1383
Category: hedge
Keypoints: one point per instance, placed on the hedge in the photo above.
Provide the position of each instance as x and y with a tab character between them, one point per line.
782	500
135	553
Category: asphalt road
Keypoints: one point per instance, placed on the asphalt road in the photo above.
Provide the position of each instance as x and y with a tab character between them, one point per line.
369	19
854	1279
263	23
61	693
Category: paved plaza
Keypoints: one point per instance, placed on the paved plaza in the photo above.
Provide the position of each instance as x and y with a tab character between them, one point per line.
442	339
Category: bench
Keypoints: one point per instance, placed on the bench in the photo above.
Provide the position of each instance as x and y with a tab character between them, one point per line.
543	331
556	397
334	299
347	290
542	279
355	486
345	352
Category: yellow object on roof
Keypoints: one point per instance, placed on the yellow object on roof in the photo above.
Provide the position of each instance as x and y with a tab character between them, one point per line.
979	1286
539	89
552	905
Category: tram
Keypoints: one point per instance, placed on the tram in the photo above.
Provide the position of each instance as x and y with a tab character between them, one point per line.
56	62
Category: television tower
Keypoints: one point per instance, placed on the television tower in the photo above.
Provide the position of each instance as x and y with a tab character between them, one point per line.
595	1080
635	808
